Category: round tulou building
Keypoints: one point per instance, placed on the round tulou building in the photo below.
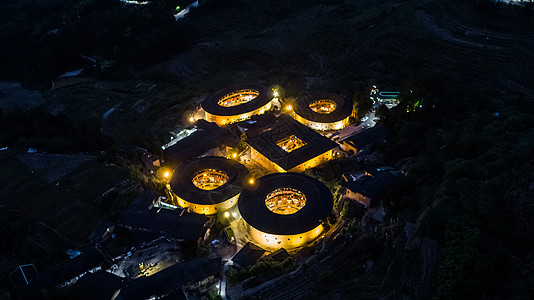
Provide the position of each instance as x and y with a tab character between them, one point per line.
285	210
322	112
236	103
208	185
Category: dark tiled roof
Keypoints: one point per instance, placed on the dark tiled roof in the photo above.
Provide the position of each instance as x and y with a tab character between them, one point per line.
166	223
144	202
170	279
342	111
374	186
264	141
248	255
100	285
23	275
207	136
100	229
148	160
65	271
319	203
257	121
368	136
183	187
211	103
175	295
279	255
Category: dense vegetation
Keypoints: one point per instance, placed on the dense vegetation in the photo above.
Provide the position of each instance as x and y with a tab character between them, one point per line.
52	133
43	39
473	172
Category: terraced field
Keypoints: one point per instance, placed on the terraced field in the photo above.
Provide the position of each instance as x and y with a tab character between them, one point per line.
57	190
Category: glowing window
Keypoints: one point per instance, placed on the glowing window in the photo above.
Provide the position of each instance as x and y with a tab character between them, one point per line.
209	179
323	106
290	143
238	97
285	201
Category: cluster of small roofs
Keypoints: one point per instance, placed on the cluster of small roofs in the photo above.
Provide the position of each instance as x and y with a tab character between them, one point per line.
104	285
27	281
170	281
165	223
141	217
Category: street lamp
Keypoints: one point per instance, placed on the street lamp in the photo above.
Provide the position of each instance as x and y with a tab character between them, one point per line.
164	173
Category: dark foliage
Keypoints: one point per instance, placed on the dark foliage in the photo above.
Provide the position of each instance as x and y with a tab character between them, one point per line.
53	133
56	33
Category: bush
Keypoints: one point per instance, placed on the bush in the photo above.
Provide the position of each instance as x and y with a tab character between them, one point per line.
259	268
362	104
120	203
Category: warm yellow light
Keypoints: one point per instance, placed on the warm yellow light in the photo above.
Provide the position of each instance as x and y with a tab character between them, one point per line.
164	173
251	181
275	94
323	106
226	214
285	201
209	179
234	155
191	119
238	97
288	107
290	143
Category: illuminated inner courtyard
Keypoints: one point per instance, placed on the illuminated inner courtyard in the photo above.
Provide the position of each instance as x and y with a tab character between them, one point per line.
284	210
285	201
238	97
209	179
323	106
290	143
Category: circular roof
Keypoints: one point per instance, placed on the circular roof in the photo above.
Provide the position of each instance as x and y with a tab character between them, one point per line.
212	103
182	182
319	203
343	108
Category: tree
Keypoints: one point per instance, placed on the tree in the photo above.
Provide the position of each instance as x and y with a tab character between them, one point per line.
362	104
383	113
242	145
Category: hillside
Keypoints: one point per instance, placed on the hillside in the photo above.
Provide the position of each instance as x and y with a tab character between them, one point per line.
459	226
